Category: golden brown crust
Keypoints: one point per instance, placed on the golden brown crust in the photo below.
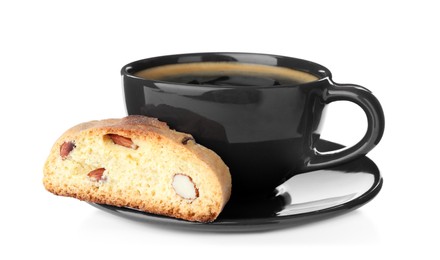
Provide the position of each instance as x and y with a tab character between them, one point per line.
142	128
118	202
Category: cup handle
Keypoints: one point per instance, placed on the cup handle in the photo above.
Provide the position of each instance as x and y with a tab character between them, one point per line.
376	124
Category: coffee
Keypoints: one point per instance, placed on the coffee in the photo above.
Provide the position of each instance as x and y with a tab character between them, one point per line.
227	74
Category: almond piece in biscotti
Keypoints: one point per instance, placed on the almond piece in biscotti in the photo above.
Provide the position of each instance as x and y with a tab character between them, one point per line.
96	175
186	139
66	148
184	186
123	141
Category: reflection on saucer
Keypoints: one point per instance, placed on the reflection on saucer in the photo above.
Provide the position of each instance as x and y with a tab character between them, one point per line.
322	189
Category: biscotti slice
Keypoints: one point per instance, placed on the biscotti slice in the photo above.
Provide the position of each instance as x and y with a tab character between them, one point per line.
138	162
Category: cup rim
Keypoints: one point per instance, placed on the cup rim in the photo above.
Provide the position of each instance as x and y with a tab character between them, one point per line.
321	72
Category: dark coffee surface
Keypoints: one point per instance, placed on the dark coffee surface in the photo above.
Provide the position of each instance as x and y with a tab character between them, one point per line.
235	80
227	74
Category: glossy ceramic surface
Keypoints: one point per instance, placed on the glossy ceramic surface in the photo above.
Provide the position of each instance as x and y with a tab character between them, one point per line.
304	198
265	134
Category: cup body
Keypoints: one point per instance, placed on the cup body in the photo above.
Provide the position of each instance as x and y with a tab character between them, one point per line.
263	134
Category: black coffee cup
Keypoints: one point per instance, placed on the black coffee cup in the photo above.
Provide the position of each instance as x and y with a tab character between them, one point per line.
261	113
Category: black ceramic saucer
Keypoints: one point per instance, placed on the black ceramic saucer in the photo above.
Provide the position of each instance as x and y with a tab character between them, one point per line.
303	198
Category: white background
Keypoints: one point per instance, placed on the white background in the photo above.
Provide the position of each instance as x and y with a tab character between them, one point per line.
59	65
